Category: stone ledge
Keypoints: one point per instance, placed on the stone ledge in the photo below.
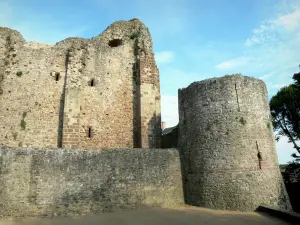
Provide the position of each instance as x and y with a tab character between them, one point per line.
292	217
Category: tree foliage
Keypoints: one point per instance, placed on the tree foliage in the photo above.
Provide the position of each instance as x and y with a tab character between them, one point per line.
291	172
285	110
291	177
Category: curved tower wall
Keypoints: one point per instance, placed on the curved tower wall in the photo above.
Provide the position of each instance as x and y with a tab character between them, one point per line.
227	145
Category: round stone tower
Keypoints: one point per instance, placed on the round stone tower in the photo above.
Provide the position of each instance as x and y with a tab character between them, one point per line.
228	147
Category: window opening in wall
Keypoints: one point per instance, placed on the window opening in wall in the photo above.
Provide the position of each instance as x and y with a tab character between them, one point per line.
57	76
92	83
115	42
259	156
90	132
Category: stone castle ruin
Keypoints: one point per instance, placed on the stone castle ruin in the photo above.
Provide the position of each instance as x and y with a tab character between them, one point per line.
80	93
80	131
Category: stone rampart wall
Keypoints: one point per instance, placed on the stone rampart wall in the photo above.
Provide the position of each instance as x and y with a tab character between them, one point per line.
37	182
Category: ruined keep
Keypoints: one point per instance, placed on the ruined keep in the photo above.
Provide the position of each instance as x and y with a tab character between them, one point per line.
227	144
80	119
88	93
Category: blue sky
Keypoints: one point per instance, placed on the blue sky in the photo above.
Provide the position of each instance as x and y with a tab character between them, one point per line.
193	39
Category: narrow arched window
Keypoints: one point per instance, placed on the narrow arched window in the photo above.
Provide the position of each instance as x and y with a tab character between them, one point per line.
92	82
89	132
57	76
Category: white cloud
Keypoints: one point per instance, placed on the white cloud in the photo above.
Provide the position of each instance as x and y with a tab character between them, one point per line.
290	21
164	57
272	50
265	77
276	45
284	150
263	34
234	63
169	110
277	86
281	29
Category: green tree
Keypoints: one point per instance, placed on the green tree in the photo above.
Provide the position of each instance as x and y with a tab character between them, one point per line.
285	111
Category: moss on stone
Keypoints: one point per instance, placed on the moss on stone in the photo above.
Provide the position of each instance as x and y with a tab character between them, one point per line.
134	35
19	73
23	122
243	121
1	83
15	134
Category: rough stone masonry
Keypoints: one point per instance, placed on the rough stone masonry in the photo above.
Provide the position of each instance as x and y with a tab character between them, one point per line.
104	93
89	93
49	182
228	147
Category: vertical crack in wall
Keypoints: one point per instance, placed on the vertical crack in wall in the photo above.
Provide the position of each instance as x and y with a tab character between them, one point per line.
189	149
62	104
258	155
2	71
136	82
5	61
237	97
33	182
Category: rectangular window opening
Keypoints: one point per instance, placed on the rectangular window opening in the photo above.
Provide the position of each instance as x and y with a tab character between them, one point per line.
90	132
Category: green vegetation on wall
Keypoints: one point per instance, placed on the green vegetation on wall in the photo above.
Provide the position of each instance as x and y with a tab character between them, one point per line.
243	121
23	122
19	73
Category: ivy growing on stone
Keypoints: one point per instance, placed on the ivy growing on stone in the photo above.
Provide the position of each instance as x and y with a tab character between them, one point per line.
19	73
243	121
23	122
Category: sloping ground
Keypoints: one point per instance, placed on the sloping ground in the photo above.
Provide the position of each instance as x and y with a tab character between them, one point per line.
183	215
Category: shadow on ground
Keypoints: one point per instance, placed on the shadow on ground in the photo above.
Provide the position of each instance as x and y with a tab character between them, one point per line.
182	215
